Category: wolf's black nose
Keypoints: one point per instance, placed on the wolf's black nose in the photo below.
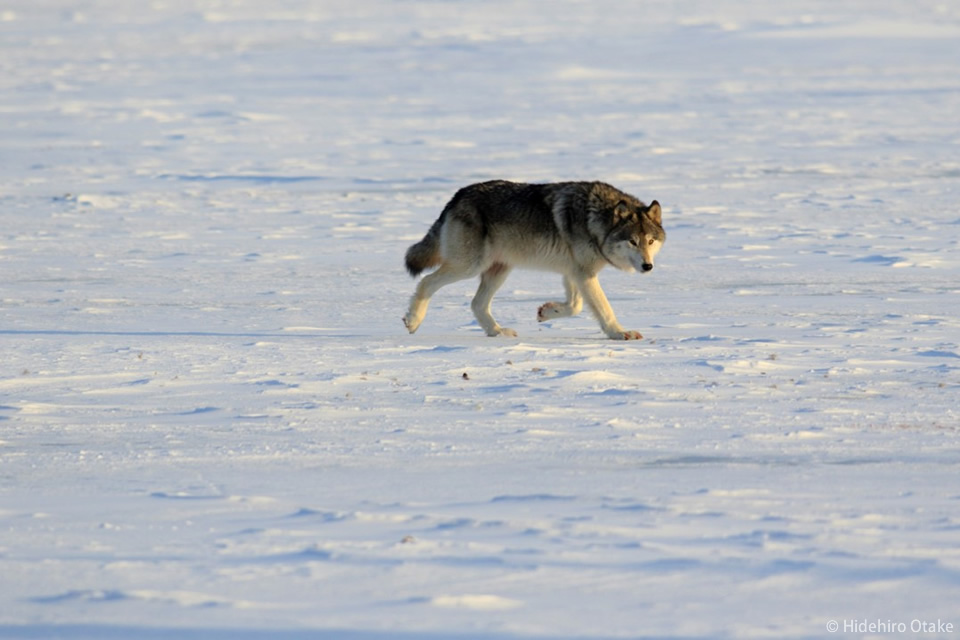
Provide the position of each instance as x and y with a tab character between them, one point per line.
647	266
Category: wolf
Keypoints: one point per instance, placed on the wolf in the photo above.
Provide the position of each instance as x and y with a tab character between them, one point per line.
571	228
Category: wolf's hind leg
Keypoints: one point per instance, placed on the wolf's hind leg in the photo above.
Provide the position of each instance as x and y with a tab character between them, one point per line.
429	285
573	305
490	281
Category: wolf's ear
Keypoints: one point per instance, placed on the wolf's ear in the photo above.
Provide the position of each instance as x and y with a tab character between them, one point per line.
654	212
621	210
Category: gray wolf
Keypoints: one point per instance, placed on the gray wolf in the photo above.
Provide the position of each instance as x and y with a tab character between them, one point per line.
571	228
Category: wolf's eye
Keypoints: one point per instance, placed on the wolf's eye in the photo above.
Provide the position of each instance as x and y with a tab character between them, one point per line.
651	241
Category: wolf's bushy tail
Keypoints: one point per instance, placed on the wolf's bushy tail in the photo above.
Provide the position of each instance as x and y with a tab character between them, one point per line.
426	253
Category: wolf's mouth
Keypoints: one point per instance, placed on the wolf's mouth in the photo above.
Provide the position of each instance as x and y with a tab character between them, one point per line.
640	264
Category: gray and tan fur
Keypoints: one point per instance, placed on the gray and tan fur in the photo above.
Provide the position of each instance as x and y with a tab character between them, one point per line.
571	228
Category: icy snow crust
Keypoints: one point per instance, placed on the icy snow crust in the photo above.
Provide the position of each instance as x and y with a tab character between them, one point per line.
214	425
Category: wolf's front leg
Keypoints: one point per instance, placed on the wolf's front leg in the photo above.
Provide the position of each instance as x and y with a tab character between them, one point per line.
598	303
572	306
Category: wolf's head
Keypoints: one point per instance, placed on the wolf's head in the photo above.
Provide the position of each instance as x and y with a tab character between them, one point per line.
635	236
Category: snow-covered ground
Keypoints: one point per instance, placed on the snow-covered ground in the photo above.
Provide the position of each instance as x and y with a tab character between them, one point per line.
214	425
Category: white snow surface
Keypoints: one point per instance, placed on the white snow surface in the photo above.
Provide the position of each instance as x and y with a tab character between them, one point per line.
213	423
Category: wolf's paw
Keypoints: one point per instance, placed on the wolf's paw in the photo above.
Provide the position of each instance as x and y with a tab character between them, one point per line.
502	331
410	323
626	335
549	310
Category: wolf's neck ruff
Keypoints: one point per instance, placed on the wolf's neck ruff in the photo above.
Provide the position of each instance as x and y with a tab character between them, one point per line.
599	245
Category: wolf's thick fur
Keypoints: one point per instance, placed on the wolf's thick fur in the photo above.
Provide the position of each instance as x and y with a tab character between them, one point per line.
572	228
